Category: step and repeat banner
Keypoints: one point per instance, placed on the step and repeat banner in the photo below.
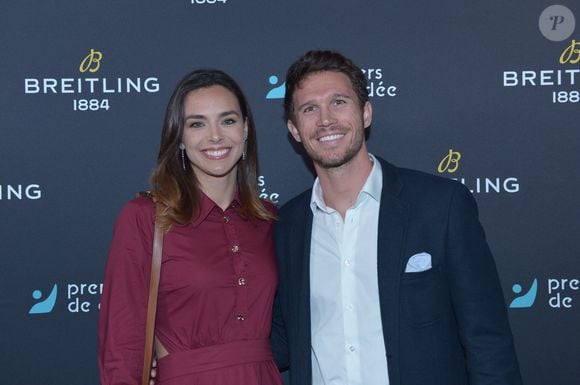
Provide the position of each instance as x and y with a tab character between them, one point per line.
487	93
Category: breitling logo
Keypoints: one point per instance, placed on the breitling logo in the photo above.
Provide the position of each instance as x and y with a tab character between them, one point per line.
571	54
450	163
91	62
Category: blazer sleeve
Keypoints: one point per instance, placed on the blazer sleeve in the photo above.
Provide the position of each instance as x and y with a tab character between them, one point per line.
279	337
477	297
123	308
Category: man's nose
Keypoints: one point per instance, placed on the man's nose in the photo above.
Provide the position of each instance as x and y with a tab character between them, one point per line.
325	117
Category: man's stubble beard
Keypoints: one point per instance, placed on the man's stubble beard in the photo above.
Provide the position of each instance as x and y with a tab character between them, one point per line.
338	160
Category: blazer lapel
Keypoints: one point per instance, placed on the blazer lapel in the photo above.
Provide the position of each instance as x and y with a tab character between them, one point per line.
393	217
304	235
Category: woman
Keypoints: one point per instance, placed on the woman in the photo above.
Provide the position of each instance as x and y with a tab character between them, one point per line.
218	272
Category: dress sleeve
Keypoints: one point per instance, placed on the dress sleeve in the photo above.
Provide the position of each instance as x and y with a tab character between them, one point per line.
123	307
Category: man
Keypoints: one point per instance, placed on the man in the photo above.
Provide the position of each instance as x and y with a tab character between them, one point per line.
385	273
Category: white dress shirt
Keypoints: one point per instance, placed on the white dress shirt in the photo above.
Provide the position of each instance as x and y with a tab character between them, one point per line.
347	337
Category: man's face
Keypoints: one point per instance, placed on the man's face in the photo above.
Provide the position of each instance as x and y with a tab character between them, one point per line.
329	121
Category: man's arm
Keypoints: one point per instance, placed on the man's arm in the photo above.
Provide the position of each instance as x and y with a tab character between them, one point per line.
279	336
477	297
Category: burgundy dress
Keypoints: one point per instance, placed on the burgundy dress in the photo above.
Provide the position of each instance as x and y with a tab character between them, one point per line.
217	286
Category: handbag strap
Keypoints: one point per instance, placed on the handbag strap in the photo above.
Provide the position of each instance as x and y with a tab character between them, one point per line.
152	302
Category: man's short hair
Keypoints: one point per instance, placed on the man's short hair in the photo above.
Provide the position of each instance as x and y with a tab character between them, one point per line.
317	61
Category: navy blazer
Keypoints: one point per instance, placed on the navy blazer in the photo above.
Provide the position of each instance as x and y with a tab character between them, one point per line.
447	325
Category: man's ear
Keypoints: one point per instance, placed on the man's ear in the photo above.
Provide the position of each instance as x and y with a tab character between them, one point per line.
293	131
367	114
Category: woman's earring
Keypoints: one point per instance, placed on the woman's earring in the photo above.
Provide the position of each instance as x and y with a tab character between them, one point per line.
245	151
182	150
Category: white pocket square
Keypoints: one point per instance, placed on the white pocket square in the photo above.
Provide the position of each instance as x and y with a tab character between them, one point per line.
418	263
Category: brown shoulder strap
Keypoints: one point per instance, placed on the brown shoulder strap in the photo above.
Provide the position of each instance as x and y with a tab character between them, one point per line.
152	303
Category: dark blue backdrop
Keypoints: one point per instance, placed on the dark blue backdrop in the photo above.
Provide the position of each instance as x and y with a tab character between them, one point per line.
486	92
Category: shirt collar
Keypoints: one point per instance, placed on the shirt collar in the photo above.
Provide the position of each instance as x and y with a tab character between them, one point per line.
206	206
372	188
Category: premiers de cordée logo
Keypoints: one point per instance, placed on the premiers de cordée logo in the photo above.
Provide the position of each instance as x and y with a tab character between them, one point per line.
377	87
557	292
89	91
77	298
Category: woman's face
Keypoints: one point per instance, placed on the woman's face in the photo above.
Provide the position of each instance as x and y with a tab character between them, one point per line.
214	133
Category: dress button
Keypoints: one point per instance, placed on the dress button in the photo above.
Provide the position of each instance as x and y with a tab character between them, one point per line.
226	219
241	281
235	248
241	317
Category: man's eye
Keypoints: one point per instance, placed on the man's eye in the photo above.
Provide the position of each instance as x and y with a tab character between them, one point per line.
308	109
339	101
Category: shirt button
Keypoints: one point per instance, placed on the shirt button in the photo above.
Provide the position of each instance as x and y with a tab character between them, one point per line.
349	307
226	219
347	262
235	248
241	281
351	348
241	317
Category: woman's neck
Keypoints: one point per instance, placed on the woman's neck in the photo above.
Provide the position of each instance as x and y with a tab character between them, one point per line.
220	190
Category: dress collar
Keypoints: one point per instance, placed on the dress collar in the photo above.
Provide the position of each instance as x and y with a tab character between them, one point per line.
206	206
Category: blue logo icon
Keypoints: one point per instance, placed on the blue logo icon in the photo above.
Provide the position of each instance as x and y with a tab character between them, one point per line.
276	92
46	305
524	300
